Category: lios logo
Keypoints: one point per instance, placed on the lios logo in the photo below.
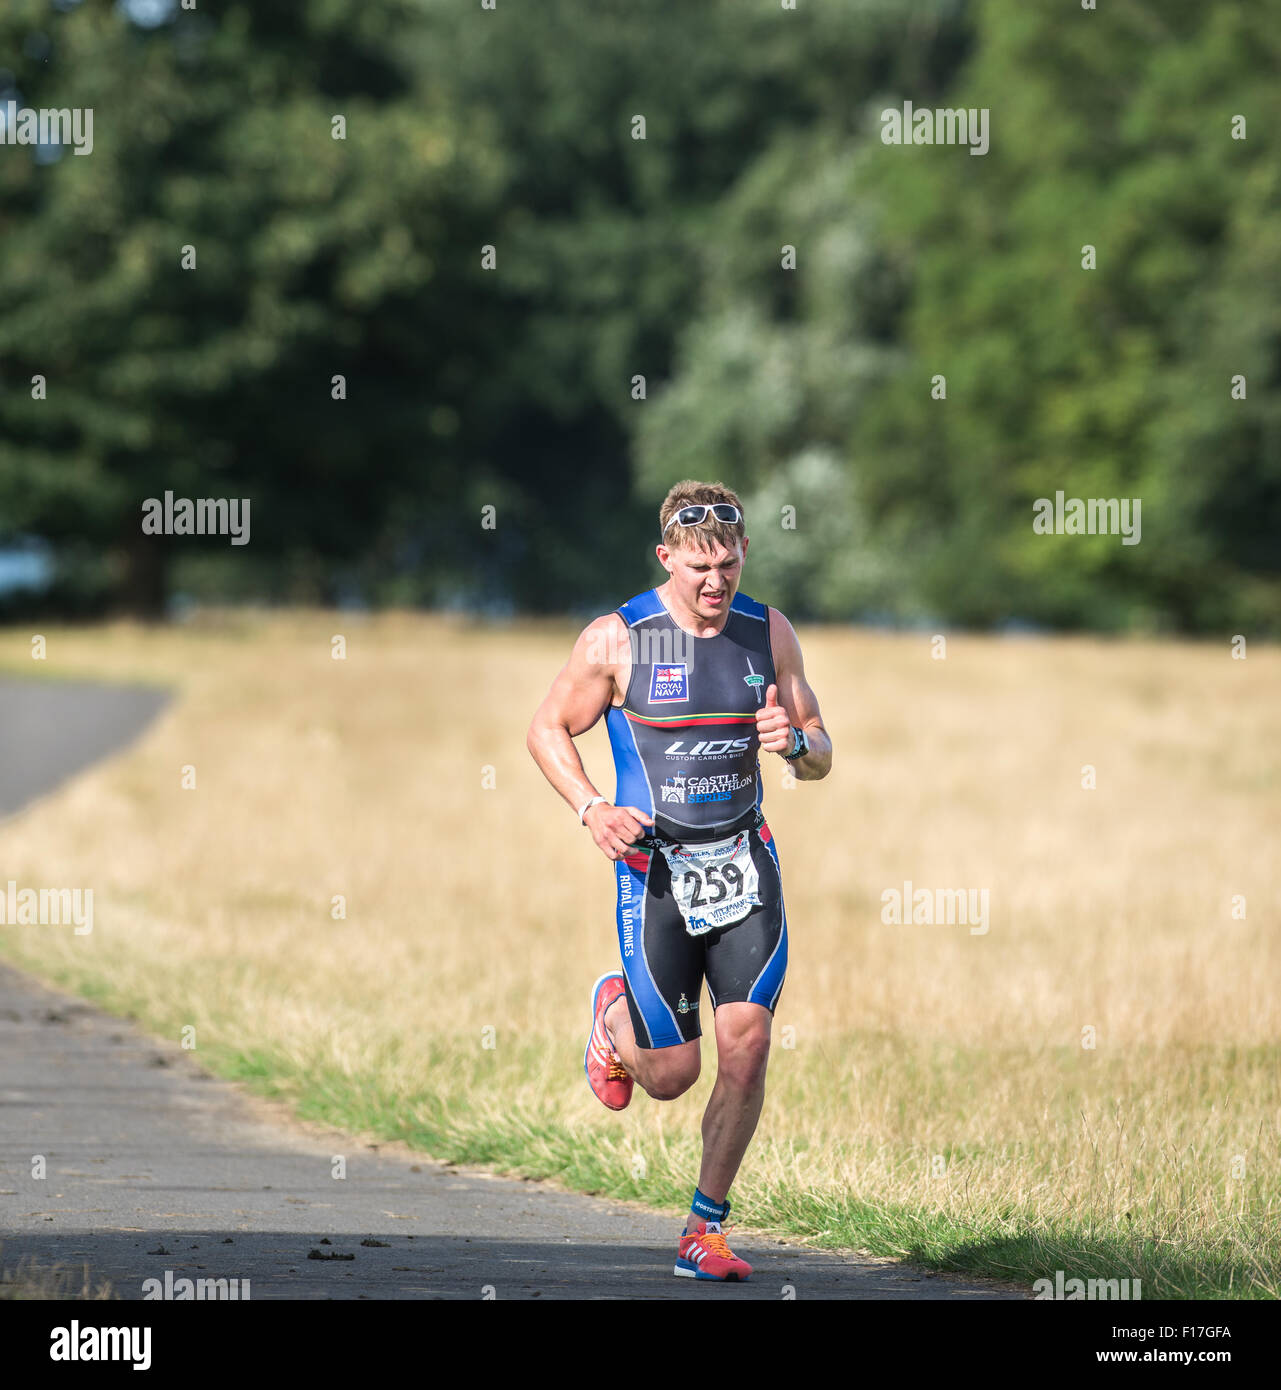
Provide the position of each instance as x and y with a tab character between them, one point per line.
708	748
669	684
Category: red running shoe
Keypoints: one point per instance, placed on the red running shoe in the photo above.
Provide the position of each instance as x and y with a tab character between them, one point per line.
703	1254
606	1074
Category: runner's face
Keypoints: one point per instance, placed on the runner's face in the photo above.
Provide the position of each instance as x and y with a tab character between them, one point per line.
705	581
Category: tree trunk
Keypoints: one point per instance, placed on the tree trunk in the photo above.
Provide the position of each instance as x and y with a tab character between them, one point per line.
144	588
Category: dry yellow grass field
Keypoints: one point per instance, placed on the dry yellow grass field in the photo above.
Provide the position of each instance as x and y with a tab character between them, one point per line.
49	1284
1094	1077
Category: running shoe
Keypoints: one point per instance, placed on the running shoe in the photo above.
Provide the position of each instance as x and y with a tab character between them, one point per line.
703	1254
606	1074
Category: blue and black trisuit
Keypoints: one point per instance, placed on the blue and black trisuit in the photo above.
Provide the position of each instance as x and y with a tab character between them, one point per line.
686	751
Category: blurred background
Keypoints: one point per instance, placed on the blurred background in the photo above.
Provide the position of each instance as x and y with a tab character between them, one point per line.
513	387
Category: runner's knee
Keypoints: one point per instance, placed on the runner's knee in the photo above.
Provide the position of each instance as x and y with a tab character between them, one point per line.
743	1060
667	1080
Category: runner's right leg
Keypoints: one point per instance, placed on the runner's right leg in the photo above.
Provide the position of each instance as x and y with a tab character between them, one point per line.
665	1072
656	1035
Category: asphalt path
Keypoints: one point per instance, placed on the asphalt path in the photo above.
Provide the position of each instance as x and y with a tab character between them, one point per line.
50	730
153	1170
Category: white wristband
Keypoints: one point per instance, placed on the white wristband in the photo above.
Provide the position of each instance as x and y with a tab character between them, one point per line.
583	809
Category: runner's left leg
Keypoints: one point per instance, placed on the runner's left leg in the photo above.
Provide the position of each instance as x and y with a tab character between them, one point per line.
746	965
742	1052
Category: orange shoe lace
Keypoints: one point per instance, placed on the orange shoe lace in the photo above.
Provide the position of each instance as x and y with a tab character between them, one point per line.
617	1072
716	1243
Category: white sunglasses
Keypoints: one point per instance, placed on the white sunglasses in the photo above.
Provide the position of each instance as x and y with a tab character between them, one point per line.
697	512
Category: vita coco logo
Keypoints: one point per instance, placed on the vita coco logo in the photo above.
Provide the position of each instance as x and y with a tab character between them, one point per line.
203	516
1068	1289
47	907
1092	516
190	1289
936	906
938	126
24	125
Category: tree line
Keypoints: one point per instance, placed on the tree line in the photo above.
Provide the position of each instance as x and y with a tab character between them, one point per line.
453	295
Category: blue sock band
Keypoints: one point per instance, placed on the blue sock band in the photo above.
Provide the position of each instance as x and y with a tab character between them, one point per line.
703	1206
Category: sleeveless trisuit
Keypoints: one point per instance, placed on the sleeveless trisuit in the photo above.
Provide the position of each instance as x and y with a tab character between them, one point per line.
686	751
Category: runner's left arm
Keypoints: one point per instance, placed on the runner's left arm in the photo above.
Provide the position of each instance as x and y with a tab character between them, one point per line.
799	701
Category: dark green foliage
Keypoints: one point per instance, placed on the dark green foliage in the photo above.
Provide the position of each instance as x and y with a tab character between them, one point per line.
808	390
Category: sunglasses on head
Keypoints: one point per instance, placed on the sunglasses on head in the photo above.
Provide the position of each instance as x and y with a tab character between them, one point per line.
696	513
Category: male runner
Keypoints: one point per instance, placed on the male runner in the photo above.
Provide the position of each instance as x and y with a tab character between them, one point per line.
694	678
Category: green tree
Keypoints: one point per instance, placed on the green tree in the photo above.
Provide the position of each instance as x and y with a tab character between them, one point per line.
314	257
1112	131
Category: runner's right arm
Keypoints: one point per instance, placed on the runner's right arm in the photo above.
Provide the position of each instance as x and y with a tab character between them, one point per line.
579	695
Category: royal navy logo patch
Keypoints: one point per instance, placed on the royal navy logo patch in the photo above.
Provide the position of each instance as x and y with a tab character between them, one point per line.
669	684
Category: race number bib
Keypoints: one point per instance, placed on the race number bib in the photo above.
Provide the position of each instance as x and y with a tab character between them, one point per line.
714	885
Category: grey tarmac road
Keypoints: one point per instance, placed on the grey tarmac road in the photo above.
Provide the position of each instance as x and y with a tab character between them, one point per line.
50	730
155	1168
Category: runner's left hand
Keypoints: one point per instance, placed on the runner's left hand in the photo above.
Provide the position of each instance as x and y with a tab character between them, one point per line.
773	724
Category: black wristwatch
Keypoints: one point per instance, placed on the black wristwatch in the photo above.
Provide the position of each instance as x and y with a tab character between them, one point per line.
802	745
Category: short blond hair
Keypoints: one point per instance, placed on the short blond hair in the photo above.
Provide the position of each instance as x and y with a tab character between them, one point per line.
709	530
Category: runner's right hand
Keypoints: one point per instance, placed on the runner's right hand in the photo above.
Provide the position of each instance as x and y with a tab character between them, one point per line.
616	828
